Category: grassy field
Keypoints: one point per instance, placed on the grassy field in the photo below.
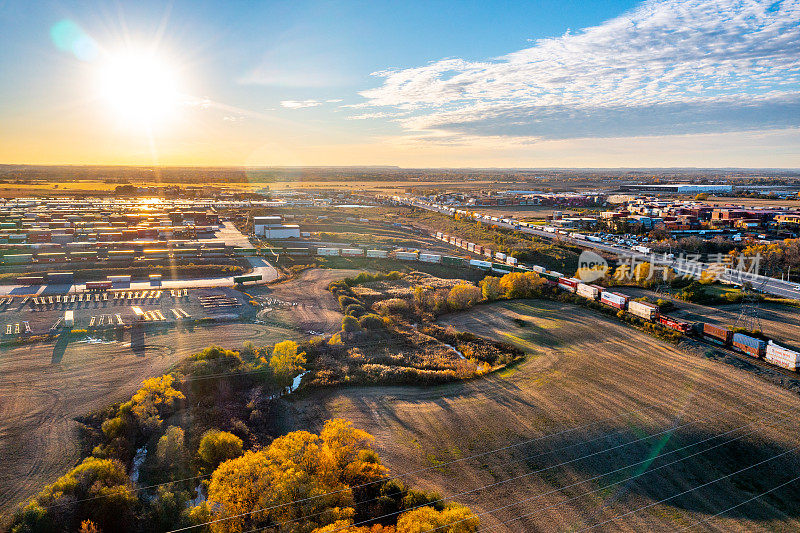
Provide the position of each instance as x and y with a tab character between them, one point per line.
599	397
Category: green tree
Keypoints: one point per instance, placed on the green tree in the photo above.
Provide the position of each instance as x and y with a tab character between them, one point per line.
350	324
170	450
218	446
490	288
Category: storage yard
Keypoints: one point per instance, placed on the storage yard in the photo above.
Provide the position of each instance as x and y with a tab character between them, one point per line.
581	404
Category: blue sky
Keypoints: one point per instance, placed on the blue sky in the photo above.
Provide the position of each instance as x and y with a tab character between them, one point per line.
667	83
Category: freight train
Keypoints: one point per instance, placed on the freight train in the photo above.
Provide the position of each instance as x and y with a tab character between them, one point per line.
765	349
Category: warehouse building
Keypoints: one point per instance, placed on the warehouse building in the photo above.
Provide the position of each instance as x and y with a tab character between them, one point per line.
272	227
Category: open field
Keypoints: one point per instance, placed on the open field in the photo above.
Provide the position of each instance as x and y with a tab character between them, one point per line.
311	308
44	387
639	407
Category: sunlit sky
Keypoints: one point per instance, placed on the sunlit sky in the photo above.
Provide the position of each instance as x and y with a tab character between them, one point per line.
671	83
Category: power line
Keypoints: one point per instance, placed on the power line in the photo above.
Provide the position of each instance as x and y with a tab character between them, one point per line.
532	456
726	476
630	478
363	522
440	465
731	508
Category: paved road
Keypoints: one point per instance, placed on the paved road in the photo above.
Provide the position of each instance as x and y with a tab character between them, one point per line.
768	285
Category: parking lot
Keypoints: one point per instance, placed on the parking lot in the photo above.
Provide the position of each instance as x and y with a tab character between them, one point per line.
38	315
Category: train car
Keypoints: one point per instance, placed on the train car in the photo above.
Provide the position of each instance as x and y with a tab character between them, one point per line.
644	310
717	334
407	256
430	258
450	260
18	259
306	251
482	265
352	252
749	345
499	268
377	254
568	284
614	299
590	292
781	356
551	276
674	323
328	251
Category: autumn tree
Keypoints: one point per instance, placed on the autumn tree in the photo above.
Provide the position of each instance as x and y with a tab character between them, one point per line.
454	518
154	398
286	362
463	296
490	288
280	482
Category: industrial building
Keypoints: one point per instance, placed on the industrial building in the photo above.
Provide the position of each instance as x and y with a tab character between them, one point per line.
272	227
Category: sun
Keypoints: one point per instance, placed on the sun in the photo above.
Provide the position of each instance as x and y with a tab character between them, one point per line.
139	88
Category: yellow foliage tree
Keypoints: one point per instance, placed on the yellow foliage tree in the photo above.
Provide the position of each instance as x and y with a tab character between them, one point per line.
452	519
153	398
490	288
463	296
286	476
285	361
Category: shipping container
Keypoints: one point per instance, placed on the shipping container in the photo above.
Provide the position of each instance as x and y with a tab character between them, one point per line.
592	292
430	258
568	284
674	323
98	285
406	256
716	333
643	310
121	278
512	261
17	259
539	269
450	260
352	252
30	280
60	277
782	356
328	251
614	299
749	345
377	253
500	256
69	319
483	265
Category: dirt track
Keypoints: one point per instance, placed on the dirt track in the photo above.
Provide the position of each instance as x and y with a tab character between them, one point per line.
599	376
43	387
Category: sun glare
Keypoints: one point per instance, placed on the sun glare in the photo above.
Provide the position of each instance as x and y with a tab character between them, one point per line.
139	89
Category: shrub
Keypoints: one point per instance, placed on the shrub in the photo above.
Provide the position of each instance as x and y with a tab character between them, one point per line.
371	321
350	324
355	310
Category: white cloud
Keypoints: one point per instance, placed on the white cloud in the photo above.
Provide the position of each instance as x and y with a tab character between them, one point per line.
667	67
300	104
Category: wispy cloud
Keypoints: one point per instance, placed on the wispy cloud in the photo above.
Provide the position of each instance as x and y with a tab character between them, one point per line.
667	67
300	104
